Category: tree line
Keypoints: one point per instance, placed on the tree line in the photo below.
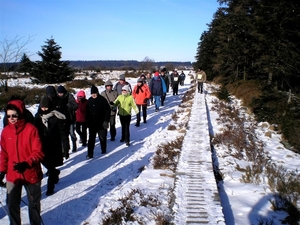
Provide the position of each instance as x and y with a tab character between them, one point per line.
258	41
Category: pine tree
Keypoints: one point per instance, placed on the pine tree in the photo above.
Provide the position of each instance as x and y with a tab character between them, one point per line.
25	65
51	69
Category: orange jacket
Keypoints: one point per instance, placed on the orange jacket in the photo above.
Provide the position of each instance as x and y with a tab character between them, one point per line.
140	94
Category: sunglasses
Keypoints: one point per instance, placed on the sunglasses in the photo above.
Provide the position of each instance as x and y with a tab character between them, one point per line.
124	90
12	116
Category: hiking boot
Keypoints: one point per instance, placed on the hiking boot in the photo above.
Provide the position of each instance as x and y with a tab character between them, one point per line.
122	140
137	124
127	144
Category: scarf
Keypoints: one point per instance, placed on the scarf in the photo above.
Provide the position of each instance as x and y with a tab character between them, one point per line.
139	88
45	117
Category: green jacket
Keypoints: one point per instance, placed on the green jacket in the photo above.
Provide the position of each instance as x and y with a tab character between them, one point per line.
125	104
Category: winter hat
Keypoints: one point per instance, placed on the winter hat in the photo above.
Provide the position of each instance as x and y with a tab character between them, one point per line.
108	83
126	88
81	94
122	77
94	89
143	75
50	91
156	74
45	102
164	70
140	80
61	89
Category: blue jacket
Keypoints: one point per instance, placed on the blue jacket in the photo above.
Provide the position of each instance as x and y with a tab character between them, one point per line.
158	86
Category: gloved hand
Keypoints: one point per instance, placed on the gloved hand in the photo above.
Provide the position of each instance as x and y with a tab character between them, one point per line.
146	100
105	125
111	103
2	174
21	166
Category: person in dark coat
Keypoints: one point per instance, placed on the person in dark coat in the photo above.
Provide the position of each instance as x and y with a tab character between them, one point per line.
72	106
120	84
60	105
166	78
97	119
51	125
157	88
175	82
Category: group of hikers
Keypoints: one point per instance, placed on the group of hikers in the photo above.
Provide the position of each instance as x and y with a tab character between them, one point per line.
28	141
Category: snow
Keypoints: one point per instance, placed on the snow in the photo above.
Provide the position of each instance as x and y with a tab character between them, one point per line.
89	189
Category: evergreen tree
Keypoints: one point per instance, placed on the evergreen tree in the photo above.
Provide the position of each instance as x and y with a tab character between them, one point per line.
51	69
25	65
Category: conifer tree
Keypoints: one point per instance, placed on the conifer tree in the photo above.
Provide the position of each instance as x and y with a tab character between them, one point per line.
51	69
25	65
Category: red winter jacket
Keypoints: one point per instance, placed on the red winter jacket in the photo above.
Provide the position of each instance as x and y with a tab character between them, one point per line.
141	94
21	142
82	107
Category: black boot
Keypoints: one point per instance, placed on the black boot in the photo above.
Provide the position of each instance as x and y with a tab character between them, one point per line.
74	147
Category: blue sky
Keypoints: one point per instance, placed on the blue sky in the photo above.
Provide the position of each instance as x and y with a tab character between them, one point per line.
162	30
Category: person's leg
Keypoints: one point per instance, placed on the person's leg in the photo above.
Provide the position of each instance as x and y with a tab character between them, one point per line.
34	202
122	121
138	116
112	127
84	134
144	108
127	128
163	97
73	137
102	134
13	201
91	143
157	102
78	127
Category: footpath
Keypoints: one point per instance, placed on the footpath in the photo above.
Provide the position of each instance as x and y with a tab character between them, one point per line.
195	181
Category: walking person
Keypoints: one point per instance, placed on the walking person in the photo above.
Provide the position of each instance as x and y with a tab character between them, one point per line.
59	104
181	78
157	89
80	114
111	95
20	157
120	84
97	118
175	82
125	104
141	95
72	106
201	78
166	79
148	81
52	126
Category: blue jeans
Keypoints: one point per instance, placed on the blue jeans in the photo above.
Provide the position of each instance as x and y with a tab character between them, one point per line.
157	101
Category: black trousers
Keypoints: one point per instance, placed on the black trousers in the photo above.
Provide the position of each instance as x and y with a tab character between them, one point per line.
81	131
144	110
125	124
200	87
102	134
112	126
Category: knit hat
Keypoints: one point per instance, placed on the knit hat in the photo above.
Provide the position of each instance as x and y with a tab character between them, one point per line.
61	89
122	77
140	80
50	91
108	83
81	94
94	89
156	74
126	88
45	102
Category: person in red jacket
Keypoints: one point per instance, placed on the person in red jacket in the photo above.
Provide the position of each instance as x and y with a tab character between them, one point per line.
141	95
20	160
80	117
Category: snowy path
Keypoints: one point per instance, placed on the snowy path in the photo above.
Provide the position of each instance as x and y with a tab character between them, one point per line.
195	182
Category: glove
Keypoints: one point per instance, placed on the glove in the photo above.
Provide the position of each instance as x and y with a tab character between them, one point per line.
2	184
21	166
146	100
111	103
105	125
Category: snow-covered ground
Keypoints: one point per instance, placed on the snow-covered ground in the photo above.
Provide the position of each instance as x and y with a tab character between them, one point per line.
89	189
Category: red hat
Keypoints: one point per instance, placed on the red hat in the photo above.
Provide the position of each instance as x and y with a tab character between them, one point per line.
156	74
